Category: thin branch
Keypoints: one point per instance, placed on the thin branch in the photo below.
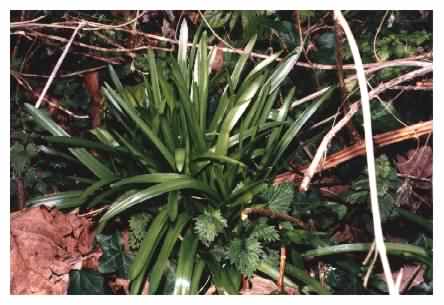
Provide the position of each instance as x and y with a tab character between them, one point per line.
100	26
372	69
94	25
273	215
309	173
339	61
26	22
358	149
28	87
365	101
381	140
375	52
411	88
57	66
214	32
96	48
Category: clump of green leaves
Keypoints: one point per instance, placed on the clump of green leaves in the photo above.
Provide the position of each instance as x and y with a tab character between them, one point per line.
245	254
202	167
388	184
279	198
208	225
137	225
114	259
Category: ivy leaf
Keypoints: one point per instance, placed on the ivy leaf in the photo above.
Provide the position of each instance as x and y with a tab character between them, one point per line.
85	282
114	259
245	254
279	197
208	225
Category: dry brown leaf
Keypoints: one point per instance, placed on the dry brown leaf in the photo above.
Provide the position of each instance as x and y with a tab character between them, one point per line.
119	285
262	286
417	163
45	246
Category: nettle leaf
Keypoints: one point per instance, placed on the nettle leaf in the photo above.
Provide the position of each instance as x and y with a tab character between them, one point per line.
114	259
85	282
208	225
279	198
137	227
388	183
264	232
21	157
245	254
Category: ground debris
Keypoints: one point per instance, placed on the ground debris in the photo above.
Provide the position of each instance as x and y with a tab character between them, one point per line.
45	246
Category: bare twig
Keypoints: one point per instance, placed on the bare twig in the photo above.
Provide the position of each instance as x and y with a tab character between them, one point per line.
26	22
113	43
96	48
66	75
339	62
282	263
57	66
365	101
21	192
375	52
214	32
370	268
99	26
94	26
411	88
28	87
312	169
374	68
358	149
273	215
95	212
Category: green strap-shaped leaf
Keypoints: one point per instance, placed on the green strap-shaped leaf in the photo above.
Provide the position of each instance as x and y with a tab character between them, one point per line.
157	190
293	130
301	276
137	152
185	264
183	47
147	248
242	61
95	187
246	193
259	67
149	178
136	285
218	158
80	142
276	133
235	114
199	267
203	81
132	112
281	72
179	155
104	136
173	205
234	139
218	116
94	165
220	276
392	249
155	87
266	268
167	246
61	200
